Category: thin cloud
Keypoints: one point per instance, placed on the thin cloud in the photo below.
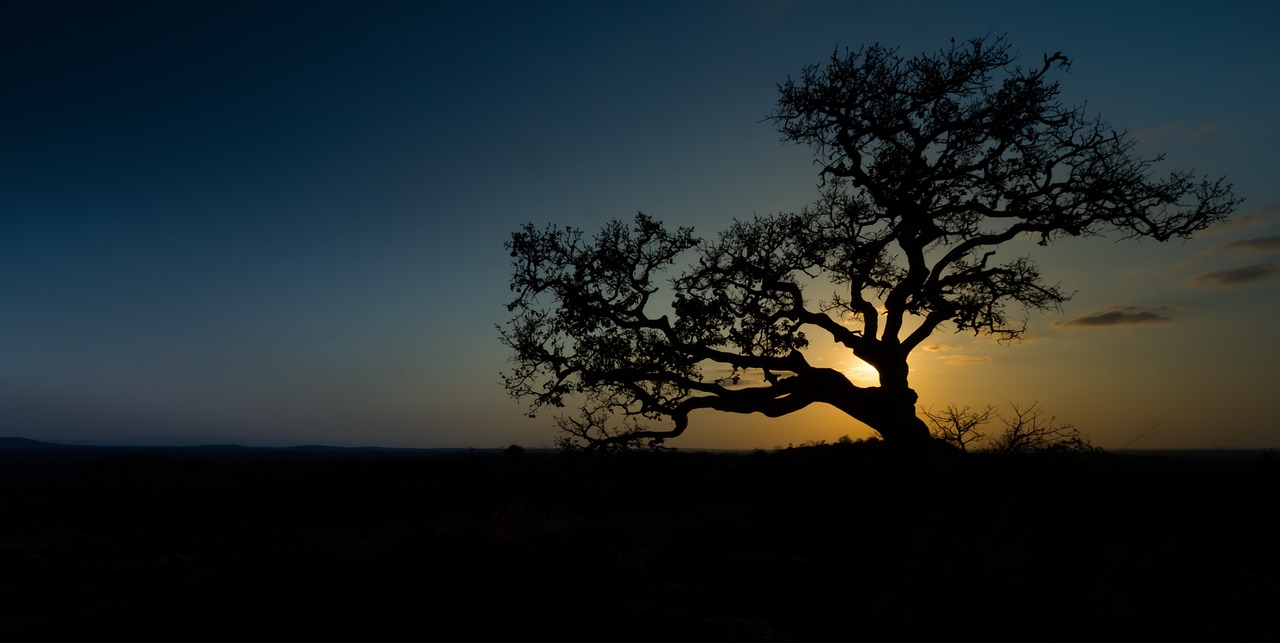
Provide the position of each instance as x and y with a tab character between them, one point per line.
1254	246
1249	221
934	348
1179	131
1212	129
1153	134
960	360
1118	316
1238	276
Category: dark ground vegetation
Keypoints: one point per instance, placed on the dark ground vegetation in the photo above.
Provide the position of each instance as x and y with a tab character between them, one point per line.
820	543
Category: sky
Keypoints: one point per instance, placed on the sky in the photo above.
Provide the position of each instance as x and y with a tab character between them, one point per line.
280	223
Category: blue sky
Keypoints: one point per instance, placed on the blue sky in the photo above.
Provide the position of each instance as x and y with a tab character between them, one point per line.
282	222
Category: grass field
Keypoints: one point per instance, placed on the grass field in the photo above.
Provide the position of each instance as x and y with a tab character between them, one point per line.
824	543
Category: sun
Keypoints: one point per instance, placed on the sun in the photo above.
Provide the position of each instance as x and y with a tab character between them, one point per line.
860	372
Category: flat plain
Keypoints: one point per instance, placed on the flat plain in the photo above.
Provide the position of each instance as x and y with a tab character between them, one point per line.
819	543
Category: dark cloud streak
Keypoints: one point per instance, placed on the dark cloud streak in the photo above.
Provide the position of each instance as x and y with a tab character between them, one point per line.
1118	316
1249	221
1238	276
1255	246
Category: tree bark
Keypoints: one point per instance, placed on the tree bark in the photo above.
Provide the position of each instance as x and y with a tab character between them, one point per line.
891	412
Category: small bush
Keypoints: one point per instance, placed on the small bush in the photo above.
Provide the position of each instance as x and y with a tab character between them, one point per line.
1026	430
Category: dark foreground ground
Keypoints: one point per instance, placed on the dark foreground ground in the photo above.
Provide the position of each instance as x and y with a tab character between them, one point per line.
815	544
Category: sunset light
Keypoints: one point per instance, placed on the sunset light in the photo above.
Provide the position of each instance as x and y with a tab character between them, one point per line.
555	321
861	373
284	223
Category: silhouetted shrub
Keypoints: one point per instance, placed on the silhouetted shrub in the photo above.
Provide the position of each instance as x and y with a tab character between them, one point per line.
959	427
1026	430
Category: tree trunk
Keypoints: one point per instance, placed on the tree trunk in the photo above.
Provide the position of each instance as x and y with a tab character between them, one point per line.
905	432
891	407
892	413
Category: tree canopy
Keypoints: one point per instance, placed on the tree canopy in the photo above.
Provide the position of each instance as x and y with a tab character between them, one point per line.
929	165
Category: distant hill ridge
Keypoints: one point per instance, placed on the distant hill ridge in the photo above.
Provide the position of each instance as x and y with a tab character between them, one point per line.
26	443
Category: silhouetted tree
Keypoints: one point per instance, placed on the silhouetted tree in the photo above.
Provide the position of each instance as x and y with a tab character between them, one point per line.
928	166
957	426
1027	430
